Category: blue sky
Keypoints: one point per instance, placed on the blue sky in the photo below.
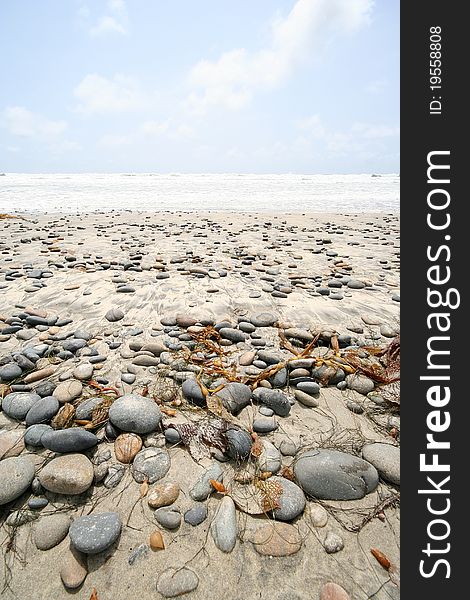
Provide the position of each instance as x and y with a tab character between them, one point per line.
265	86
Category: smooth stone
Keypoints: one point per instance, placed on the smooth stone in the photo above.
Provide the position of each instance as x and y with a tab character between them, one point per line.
291	502
263	320
68	391
265	424
74	569
41	374
309	387
33	434
385	458
114	476
224	526
163	494
51	530
333	542
69	475
151	464
176	582
360	383
354	407
268	357
274	399
318	515
333	591
10	372
234	335
135	413
279	379
305	399
239	444
247	358
202	489
36	503
17	518
196	514
94	533
235	396
299	373
192	391
172	436
17	404
277	539
270	458
265	411
84	411
146	361
16	475
42	411
128	378
73	345
334	475
73	439
114	314
170	518
11	443
83	372
288	448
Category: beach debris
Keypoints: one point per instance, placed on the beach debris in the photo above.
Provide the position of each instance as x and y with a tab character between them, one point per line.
156	541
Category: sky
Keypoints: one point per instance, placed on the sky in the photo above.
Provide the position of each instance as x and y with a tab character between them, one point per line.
251	86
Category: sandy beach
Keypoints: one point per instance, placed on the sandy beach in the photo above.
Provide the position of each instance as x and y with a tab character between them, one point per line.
169	310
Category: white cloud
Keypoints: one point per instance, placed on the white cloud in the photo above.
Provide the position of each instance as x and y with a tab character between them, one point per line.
97	94
154	128
168	128
368	131
20	121
313	126
231	80
115	20
378	86
111	140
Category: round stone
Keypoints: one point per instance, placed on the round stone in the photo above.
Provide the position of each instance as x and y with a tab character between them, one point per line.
74	569
385	458
235	396
318	515
306	399
224	525
69	440
309	387
202	489
333	543
196	514
265	424
277	539
33	435
270	458
274	399
135	413
70	474
172	436
291	502
239	444
17	404
176	582
51	530
42	411
83	372
84	411
170	518
333	475
151	464
192	391
263	320
360	383
333	591
68	391
16	475
114	314
163	494
94	533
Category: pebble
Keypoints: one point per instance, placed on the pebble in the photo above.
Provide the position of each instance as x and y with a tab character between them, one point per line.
309	387
126	446
41	374
114	314
70	474
305	399
16	475
274	399
114	476
224	526
163	494
83	372
247	358
68	391
291	502
360	383
85	409
42	411
150	463
239	444
33	434
192	391
333	591
36	503
385	458
277	539
73	439
333	542
11	443
263	320
196	514
202	489
170	518
265	424
288	448
135	413
94	533
235	396
172	436
318	515
74	569
50	530
334	475
10	371
17	404
176	582
270	458
128	378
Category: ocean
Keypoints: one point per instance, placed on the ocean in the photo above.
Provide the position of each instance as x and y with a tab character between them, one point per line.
286	193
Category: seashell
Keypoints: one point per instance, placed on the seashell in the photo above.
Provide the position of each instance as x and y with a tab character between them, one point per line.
126	446
156	541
